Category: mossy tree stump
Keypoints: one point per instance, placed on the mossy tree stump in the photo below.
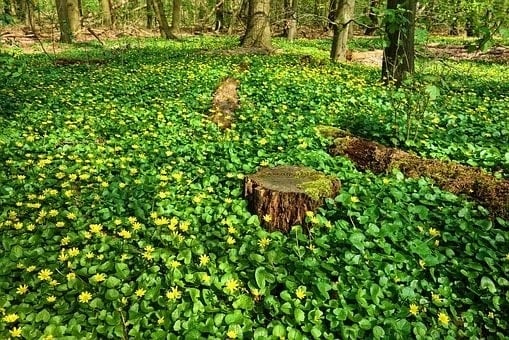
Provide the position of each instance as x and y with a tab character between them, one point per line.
281	196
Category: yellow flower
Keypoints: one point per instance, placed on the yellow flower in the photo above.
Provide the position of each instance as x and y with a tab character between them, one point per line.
300	293
232	334
230	240
125	234
433	232
443	318
232	230
140	292
73	252
173	294
263	141
60	224
422	263
267	218
507	257
354	199
414	309
45	275
95	228
11	317
437	243
51	298
30	269
184	226
436	297
53	283
99	277
84	297
204	260
231	285
15	332
174	264
264	242
71	215
22	289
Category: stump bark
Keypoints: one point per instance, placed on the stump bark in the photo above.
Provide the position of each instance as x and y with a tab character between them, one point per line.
491	192
281	196
225	102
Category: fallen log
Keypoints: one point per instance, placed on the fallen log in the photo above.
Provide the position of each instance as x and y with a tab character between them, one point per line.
281	196
225	102
459	179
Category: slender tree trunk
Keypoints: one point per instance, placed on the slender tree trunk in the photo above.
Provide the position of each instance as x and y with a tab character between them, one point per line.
398	59
373	18
176	17
258	27
63	22
219	12
164	27
73	15
343	15
150	13
290	9
331	16
106	12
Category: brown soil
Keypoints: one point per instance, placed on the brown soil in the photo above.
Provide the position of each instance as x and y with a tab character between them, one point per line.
225	103
493	193
497	54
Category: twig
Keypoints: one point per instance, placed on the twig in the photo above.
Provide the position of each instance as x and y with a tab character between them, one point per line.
95	35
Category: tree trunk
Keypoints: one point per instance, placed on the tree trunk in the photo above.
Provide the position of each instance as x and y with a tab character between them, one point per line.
63	22
373	18
398	58
150	13
73	15
164	27
282	196
219	13
258	27
331	16
106	12
343	15
290	13
176	17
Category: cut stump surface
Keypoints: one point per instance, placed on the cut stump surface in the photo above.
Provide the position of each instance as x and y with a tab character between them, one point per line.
281	196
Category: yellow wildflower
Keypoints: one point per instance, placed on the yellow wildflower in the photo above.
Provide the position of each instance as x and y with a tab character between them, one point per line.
9	318
174	264
99	277
267	218
73	252
22	289
230	240
443	318
232	285
173	294
15	332
51	298
300	292
125	234
232	334
96	228
71	276
45	275
204	260
354	199
140	292
414	309
84	297
264	242
433	232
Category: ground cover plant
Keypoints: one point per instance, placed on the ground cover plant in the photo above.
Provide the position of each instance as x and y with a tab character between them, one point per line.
121	209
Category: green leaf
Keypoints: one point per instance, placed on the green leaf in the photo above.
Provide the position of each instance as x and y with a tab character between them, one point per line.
43	315
357	240
378	332
299	315
260	275
112	294
243	302
279	331
112	282
487	283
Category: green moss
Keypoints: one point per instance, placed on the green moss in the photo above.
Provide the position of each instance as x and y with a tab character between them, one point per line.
318	187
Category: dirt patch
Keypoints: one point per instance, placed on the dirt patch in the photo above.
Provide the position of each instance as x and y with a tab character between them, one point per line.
459	179
499	54
225	103
369	58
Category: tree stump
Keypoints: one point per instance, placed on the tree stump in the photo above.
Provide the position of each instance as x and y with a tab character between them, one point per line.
281	196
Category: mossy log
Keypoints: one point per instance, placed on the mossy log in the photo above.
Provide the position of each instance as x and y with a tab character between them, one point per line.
281	196
483	187
225	102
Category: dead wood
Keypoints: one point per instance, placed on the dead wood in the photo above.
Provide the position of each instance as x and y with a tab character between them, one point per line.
459	179
225	103
281	196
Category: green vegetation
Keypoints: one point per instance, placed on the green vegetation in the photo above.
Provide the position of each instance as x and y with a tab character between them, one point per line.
121	209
